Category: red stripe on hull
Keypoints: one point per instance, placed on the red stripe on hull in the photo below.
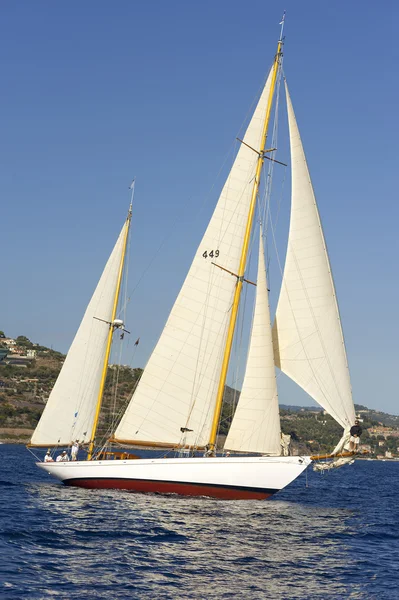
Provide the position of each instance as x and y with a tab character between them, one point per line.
170	487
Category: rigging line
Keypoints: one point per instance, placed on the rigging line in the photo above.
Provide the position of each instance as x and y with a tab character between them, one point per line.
116	383
280	201
86	383
238	339
207	406
197	381
255	100
275	125
84	410
211	278
239	335
263	213
150	409
251	166
194	382
155	255
269	178
181	216
114	386
242	309
122	314
78	404
135	348
123	308
245	123
257	426
282	76
119	414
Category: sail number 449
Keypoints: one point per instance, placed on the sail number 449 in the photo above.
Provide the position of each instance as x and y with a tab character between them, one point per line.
211	254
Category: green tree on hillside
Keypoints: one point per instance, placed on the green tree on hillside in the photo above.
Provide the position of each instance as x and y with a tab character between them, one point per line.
22	340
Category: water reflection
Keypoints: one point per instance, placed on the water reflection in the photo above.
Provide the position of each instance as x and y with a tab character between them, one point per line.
118	542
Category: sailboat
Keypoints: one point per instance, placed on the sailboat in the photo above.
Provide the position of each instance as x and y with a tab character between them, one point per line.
176	406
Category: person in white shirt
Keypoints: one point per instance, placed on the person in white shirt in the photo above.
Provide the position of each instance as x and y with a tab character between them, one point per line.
48	457
75	450
63	457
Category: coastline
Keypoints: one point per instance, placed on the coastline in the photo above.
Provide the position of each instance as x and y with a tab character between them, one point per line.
15	435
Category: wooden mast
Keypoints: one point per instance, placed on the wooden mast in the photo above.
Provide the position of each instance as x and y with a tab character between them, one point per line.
244	252
111	331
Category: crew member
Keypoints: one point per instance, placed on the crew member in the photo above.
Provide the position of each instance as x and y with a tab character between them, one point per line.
75	450
63	457
48	457
354	440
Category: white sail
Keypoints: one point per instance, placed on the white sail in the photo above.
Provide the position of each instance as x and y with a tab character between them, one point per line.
256	422
308	340
179	384
69	412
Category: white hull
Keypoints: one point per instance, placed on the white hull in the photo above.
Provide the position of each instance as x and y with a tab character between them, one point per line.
225	477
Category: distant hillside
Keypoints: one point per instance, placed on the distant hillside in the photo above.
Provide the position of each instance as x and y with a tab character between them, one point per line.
26	382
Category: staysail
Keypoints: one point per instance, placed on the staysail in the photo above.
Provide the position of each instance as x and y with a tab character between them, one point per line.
308	340
178	388
69	411
256	422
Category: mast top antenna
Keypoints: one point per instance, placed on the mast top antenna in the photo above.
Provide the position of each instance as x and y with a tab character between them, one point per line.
282	26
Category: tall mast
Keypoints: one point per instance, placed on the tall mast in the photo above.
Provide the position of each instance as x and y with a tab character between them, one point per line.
111	331
244	252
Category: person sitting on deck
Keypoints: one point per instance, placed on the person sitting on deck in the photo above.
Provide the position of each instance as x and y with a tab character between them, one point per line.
354	441
63	457
48	457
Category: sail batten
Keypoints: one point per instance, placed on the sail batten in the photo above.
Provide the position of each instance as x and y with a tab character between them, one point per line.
256	423
190	348
70	409
308	340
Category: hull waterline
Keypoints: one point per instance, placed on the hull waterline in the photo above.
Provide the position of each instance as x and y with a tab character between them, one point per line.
234	478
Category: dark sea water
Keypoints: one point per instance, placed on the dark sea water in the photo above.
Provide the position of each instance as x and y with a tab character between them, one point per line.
336	538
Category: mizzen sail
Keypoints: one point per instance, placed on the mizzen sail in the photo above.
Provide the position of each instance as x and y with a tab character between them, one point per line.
69	412
178	387
308	341
256	422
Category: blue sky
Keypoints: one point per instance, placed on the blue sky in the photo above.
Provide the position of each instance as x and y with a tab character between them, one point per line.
95	93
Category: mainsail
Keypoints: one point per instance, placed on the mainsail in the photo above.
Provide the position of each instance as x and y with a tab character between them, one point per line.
256	422
69	412
308	341
178	388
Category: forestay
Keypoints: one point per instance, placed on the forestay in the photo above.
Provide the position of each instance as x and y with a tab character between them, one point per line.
308	340
256	422
179	384
69	412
